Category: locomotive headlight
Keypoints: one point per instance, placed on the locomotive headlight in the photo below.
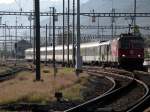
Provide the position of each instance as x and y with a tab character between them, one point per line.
139	55
123	55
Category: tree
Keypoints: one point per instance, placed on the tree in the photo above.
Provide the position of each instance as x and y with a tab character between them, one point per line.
137	30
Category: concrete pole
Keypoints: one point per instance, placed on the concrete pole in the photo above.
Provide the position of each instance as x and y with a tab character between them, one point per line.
30	29
16	33
98	31
63	38
68	37
5	42
50	27
54	61
37	34
134	15
46	46
134	12
73	35
78	56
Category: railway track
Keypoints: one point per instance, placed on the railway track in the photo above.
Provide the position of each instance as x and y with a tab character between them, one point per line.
125	86
145	77
103	103
11	73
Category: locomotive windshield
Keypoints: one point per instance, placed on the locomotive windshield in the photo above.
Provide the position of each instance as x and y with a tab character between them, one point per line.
136	44
132	44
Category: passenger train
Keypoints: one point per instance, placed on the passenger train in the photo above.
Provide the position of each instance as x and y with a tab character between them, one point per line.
127	50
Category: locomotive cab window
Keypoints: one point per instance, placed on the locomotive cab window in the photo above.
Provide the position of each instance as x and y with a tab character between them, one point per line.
131	43
137	44
124	44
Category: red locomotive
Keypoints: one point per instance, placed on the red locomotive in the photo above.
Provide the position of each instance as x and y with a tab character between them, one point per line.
128	49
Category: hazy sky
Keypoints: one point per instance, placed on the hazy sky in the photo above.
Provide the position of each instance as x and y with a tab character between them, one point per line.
6	1
11	1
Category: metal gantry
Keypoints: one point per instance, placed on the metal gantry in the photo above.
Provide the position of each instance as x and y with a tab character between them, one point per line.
71	27
2	13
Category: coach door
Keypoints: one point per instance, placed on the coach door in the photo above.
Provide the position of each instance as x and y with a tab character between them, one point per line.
99	53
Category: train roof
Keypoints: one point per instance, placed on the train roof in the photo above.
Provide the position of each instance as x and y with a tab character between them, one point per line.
105	43
29	49
60	47
90	44
130	36
94	44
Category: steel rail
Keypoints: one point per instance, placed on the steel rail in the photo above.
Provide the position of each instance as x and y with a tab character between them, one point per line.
11	73
142	100
141	103
83	106
96	100
110	79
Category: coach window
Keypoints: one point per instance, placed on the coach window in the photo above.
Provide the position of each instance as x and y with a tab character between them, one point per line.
82	52
94	51
66	52
87	51
70	51
60	52
55	52
97	49
50	52
90	51
42	53
102	49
